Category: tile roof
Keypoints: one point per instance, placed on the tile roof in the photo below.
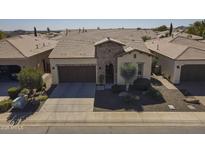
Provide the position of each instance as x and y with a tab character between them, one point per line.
24	46
78	45
179	47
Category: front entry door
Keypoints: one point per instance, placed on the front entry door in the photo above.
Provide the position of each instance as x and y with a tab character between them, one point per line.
109	70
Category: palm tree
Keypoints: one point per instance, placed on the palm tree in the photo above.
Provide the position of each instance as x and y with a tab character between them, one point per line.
127	71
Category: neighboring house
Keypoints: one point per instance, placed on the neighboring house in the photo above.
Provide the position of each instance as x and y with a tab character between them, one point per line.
180	58
84	56
25	51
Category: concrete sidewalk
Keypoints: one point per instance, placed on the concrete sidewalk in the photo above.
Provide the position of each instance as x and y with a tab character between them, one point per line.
112	118
165	82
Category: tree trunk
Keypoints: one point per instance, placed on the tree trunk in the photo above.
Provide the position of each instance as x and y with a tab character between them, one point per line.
127	87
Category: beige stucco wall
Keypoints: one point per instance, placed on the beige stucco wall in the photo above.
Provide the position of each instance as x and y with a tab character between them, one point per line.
33	62
177	71
54	63
140	58
167	67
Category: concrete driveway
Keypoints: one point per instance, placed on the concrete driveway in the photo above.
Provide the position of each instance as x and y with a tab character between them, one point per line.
71	97
196	89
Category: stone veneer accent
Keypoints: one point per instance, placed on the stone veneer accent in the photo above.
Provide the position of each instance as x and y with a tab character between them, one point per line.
106	53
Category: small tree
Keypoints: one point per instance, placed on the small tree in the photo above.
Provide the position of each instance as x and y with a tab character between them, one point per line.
101	79
145	38
35	32
30	78
127	71
170	29
48	29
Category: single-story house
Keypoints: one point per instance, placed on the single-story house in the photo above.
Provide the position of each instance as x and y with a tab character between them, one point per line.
180	58
25	51
85	56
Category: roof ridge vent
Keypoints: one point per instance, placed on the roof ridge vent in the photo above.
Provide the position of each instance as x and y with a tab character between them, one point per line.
108	38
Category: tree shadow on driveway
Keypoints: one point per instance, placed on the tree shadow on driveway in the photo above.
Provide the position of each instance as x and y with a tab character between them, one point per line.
17	116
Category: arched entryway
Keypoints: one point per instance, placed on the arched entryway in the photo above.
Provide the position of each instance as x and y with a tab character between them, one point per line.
109	73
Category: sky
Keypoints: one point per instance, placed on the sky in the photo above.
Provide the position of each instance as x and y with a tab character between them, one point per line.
61	24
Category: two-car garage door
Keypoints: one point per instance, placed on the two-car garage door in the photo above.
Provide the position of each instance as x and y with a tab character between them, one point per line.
193	73
82	73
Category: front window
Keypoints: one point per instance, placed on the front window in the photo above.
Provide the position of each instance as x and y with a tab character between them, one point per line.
140	69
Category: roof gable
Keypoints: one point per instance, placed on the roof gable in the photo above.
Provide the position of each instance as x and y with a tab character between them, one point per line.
108	39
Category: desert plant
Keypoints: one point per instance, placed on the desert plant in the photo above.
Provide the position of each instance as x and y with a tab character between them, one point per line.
127	71
131	99
161	28
101	78
141	84
30	78
5	105
145	38
153	93
24	91
117	88
41	98
13	92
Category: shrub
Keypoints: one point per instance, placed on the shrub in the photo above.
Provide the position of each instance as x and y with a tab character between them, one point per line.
101	78
13	92
154	93
30	78
118	88
24	91
141	84
41	98
5	105
131	99
145	38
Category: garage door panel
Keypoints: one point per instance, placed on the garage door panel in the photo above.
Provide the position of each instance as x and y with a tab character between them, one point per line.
77	73
193	73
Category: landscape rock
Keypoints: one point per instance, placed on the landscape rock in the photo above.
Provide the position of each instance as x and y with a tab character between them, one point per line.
192	100
123	94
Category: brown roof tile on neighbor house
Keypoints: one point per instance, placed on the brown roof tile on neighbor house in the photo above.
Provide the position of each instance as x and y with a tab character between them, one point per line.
178	48
24	46
189	42
82	45
7	50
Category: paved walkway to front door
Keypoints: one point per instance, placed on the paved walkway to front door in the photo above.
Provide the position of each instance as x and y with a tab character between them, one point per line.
71	97
165	82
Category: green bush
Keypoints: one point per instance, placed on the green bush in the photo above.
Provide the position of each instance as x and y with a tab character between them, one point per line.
145	38
131	99
5	105
24	91
30	78
141	84
41	98
153	93
101	78
118	88
13	92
